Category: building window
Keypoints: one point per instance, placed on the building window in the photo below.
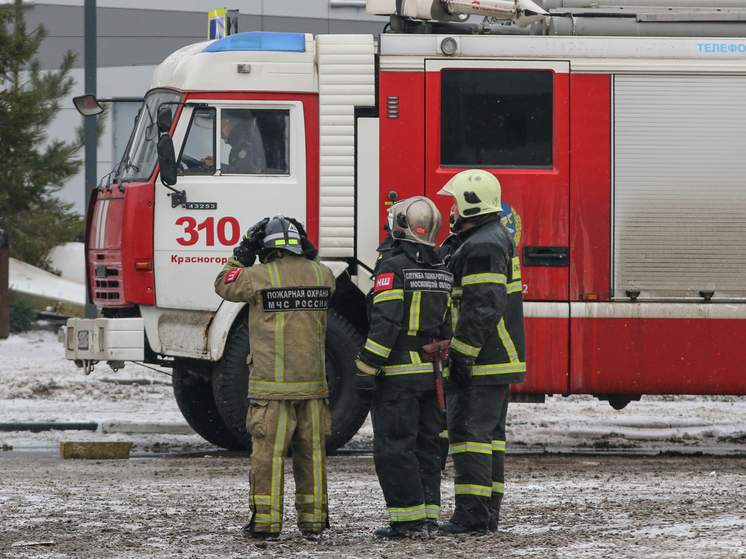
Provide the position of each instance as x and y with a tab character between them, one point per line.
496	118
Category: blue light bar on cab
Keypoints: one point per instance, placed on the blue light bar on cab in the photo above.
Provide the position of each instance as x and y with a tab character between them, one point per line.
260	40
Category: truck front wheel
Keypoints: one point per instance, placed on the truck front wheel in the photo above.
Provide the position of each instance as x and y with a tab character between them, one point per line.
193	393
231	382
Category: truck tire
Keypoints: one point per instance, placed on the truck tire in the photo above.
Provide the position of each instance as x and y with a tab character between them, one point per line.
231	382
349	411
193	393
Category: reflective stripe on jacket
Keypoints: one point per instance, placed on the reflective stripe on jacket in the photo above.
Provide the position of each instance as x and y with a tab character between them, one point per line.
409	307
488	303
287	298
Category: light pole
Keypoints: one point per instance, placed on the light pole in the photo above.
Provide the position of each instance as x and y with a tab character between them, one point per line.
91	129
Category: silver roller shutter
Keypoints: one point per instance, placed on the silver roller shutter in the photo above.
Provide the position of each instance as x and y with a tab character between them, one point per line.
679	186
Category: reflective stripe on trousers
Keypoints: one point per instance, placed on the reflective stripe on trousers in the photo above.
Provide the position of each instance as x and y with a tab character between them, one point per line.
406	452
476	431
302	424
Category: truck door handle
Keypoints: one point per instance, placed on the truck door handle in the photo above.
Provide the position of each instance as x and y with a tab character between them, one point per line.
546	256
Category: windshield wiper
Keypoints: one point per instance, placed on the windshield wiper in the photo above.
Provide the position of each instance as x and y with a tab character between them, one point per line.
122	167
128	165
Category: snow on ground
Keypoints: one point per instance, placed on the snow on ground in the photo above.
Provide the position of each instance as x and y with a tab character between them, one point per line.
557	506
37	384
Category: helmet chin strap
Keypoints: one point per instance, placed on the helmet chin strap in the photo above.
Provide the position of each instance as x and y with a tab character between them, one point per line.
457	224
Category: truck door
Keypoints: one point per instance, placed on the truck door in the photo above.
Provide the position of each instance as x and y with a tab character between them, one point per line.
512	119
238	162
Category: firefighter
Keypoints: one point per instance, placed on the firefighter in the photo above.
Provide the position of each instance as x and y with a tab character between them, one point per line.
487	350
238	129
410	309
287	295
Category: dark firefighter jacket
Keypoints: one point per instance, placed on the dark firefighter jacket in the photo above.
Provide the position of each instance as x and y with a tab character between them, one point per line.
287	297
247	151
488	303
410	308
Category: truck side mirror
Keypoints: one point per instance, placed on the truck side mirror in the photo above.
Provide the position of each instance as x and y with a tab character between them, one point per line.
164	120
87	105
167	158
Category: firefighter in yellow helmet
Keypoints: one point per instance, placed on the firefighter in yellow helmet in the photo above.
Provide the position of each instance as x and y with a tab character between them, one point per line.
287	294
409	310
487	349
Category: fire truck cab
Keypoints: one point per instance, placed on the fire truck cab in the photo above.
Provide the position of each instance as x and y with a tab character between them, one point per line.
620	159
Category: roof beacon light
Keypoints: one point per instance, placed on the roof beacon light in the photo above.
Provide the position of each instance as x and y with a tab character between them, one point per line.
260	41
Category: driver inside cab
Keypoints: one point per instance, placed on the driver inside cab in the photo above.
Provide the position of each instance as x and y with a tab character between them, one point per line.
239	130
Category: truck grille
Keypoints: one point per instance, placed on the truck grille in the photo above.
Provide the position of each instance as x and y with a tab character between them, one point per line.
106	281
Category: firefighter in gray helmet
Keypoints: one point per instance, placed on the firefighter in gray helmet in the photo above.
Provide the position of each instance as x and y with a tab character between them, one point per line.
409	309
287	295
487	350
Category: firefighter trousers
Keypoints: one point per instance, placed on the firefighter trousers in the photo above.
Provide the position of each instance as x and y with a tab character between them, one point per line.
476	432
274	426
406	452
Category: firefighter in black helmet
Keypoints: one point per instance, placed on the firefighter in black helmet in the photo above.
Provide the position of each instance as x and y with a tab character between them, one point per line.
287	295
410	309
487	350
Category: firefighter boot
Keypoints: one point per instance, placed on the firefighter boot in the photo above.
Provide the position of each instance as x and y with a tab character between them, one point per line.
495	503
432	527
452	528
249	532
401	530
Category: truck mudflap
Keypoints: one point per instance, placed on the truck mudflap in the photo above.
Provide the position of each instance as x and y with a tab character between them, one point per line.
90	340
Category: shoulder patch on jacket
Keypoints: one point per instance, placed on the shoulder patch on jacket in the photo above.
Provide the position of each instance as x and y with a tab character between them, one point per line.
384	282
231	276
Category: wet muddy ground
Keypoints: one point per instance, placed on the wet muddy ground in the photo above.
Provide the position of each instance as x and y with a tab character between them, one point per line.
556	506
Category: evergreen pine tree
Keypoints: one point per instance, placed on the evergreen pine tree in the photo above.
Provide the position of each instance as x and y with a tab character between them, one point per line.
33	167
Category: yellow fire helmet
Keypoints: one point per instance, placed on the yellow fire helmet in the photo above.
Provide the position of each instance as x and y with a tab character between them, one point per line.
477	192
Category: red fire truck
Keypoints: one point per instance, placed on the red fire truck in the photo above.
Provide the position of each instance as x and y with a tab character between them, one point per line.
617	135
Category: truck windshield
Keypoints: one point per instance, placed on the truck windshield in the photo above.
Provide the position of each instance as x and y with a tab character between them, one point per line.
140	158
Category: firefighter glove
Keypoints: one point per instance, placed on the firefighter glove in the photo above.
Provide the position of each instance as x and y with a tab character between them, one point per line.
244	255
459	369
309	250
298	226
365	383
252	240
365	380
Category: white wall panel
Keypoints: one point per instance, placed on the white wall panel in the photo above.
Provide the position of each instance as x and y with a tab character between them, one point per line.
333	150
